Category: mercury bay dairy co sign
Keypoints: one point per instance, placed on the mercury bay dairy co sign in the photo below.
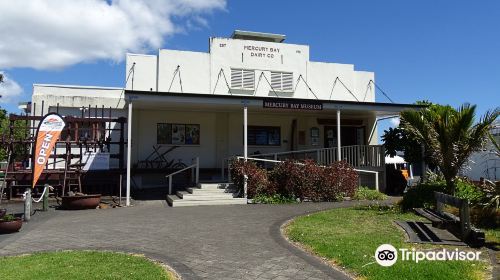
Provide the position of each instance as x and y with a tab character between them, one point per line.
292	104
260	51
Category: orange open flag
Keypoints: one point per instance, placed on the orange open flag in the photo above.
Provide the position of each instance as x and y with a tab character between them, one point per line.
48	132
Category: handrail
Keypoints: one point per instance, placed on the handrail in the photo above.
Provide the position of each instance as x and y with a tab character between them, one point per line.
313	150
359	156
196	165
260	159
294	152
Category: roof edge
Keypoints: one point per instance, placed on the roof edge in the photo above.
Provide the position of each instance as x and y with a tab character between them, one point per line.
417	106
77	86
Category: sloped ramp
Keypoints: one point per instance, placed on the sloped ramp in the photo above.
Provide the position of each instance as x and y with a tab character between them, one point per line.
421	232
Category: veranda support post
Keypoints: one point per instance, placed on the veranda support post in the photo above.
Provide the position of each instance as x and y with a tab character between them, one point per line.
339	153
129	150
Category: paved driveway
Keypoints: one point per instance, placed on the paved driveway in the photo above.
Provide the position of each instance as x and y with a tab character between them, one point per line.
203	242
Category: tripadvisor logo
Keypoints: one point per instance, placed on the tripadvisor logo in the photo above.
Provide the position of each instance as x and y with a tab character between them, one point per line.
387	255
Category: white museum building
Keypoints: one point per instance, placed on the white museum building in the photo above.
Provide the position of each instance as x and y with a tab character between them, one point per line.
185	105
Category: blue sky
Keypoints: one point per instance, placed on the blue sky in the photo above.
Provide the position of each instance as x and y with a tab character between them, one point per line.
443	51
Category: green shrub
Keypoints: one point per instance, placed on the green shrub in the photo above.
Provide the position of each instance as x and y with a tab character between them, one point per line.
8	218
422	195
365	193
465	189
485	217
273	199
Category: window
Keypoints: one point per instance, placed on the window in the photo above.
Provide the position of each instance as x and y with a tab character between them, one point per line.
264	135
282	81
242	78
178	134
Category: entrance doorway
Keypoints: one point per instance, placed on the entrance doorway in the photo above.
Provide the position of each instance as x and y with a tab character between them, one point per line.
349	136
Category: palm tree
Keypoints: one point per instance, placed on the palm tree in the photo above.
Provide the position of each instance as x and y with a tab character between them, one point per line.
449	135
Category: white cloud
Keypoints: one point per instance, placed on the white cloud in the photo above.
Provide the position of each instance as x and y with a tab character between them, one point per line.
395	121
9	89
48	34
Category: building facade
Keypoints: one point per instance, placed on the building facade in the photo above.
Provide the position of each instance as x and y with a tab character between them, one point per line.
195	102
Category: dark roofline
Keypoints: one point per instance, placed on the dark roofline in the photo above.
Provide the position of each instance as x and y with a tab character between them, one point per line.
338	102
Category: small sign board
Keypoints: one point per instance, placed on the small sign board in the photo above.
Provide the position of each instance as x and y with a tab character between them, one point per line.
96	161
278	103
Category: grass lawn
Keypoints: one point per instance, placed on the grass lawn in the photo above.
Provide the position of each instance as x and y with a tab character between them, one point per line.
493	239
80	265
493	235
349	238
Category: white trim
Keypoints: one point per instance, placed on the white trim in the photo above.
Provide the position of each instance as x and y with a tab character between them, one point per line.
75	86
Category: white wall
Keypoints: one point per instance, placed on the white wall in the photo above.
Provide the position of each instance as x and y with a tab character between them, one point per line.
143	75
236	135
200	71
194	71
144	135
484	164
221	133
76	96
365	91
226	53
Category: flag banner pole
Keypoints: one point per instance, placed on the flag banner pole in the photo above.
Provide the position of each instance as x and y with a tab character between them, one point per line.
48	132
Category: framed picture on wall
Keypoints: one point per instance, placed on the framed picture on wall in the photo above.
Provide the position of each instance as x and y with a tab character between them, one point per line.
192	134
163	133
178	134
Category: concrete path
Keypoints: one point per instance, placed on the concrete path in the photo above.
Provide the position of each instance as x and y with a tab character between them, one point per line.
203	242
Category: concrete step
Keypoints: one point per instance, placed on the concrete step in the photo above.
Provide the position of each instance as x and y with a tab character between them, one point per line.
212	186
208	193
204	195
175	201
171	198
198	190
206	198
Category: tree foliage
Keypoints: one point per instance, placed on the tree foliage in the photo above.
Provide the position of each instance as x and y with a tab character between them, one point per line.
449	135
19	132
399	140
4	129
